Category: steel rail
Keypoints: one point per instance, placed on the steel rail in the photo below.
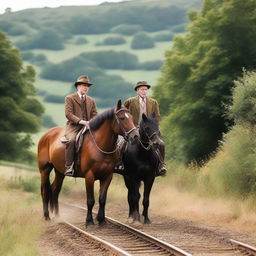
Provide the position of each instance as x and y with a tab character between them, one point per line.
246	247
164	245
102	243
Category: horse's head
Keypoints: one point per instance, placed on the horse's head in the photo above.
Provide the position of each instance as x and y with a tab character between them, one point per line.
149	131
124	123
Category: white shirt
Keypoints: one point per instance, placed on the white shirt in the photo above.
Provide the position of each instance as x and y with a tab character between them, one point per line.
80	95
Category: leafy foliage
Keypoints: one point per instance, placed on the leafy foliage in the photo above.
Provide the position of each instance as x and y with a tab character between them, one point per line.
151	65
114	40
198	75
142	41
243	108
44	39
19	110
161	37
126	29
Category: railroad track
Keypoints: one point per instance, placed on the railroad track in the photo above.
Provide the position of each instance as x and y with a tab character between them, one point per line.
245	249
130	241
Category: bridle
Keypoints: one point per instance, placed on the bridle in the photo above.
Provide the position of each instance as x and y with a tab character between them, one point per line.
149	142
126	134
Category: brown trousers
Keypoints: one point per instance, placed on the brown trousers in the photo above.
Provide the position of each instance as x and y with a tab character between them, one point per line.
70	133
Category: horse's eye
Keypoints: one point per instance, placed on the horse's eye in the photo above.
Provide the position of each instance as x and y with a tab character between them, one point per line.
121	118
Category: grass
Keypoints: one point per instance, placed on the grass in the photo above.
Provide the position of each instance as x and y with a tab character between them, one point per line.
20	219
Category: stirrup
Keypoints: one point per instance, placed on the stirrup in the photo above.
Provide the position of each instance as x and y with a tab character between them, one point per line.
70	171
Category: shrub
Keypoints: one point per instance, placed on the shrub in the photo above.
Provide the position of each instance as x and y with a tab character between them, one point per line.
48	121
162	37
125	29
112	59
114	40
243	108
45	39
81	40
142	41
179	28
18	29
54	98
151	65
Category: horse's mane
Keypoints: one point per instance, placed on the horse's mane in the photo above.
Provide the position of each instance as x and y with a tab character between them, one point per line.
97	121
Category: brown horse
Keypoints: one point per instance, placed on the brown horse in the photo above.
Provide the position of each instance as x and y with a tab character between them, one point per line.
98	157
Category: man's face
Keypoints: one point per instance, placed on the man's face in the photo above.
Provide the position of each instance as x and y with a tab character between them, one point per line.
142	91
83	88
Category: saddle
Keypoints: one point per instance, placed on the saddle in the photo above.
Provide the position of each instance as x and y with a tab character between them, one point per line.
78	145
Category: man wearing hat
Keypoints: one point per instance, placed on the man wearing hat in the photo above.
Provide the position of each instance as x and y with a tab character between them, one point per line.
79	109
143	104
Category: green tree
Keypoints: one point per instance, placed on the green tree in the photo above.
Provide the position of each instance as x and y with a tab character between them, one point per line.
19	110
198	75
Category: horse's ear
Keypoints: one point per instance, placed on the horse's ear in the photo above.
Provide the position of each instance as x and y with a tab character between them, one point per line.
119	104
144	117
153	115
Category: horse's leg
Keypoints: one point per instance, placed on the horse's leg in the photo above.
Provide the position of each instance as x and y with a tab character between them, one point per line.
89	181
136	199
56	187
46	192
104	184
147	188
133	197
129	184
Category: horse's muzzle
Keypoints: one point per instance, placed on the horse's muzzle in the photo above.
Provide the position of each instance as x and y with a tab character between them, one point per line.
133	136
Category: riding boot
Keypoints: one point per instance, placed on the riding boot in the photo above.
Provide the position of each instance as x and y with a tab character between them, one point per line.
69	156
70	170
162	169
119	167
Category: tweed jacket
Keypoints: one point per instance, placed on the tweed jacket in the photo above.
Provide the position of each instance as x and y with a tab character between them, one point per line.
75	110
134	107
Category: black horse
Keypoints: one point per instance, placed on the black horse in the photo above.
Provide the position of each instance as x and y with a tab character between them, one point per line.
141	160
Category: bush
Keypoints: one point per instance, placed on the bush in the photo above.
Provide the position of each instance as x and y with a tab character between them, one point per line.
181	28
114	41
112	59
162	37
243	108
125	29
142	41
151	65
81	40
18	29
233	171
54	98
48	122
68	70
45	39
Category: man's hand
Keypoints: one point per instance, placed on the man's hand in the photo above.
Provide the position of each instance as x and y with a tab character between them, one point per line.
83	122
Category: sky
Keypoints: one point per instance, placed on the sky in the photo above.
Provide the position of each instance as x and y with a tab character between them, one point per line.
17	5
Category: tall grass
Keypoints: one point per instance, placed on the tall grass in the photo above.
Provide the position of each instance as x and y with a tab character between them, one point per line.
20	222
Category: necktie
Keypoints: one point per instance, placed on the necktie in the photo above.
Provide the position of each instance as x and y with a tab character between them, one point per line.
82	98
143	106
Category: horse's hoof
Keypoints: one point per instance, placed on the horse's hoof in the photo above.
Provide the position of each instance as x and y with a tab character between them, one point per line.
102	223
147	221
130	220
89	223
47	218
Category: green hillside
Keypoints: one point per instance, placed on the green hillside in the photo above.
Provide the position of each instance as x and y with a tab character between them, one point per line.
62	43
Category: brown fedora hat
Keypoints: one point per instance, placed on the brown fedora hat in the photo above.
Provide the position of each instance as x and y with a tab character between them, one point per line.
141	83
83	80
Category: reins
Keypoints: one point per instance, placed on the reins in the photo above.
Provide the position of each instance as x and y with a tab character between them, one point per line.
102	151
126	134
150	142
